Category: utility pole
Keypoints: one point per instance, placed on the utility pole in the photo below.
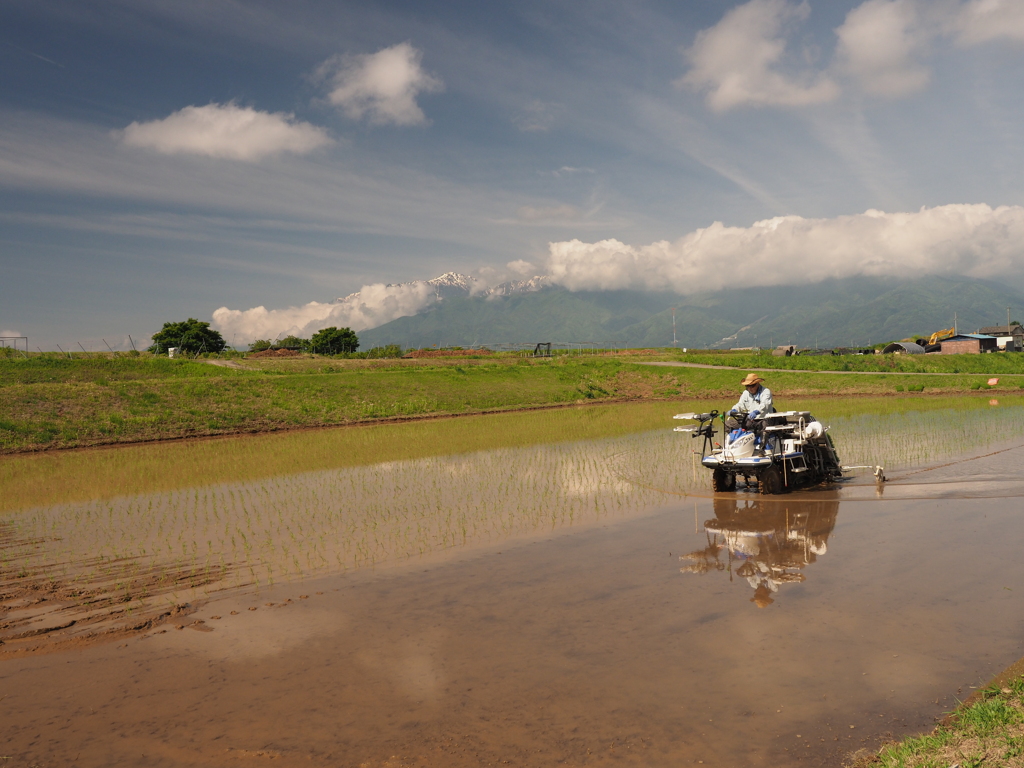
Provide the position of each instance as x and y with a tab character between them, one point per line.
674	324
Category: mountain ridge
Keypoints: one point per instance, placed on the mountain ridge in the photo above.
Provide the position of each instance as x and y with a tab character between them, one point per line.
838	312
455	284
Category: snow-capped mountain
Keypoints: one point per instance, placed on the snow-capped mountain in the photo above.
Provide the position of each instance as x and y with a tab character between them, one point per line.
513	287
370	307
454	284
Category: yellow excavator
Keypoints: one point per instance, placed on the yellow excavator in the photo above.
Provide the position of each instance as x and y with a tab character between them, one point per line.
931	343
938	336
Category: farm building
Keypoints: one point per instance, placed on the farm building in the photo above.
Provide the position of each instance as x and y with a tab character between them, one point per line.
968	344
1009	337
903	348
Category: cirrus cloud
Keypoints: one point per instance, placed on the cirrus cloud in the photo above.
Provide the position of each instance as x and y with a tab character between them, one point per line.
381	86
226	131
973	240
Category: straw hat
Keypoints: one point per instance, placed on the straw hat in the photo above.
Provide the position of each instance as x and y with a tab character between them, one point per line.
752	378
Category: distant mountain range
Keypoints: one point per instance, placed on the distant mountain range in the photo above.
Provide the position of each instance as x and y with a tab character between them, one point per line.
454	285
848	312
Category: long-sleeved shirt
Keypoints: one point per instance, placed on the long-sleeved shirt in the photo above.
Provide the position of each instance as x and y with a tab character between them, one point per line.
760	401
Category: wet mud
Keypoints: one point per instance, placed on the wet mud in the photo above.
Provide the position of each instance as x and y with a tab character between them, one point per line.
686	630
49	609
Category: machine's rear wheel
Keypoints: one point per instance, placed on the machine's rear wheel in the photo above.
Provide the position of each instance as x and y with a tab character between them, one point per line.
770	482
722	481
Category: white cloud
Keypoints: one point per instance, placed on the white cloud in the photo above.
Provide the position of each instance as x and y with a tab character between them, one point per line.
983	20
226	131
373	305
738	61
880	44
521	268
974	240
9	333
380	86
881	49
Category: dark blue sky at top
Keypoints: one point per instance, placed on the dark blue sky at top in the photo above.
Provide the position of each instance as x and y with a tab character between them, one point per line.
556	121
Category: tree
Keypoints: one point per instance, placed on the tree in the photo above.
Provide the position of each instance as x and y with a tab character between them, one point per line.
259	345
391	350
331	341
190	336
292	342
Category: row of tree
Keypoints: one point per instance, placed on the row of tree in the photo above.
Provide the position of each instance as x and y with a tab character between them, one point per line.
329	341
194	337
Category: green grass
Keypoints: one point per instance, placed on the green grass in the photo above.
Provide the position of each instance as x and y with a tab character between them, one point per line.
53	402
988	731
103	370
993	364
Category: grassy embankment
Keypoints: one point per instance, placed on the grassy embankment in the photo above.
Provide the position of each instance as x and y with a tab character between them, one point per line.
53	402
988	730
992	364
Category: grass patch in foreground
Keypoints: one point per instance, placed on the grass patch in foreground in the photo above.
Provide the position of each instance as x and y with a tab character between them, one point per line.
988	732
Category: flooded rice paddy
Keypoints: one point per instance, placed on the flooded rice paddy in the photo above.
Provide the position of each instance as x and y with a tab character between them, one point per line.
532	589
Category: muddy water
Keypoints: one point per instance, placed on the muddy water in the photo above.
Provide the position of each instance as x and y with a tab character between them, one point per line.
723	631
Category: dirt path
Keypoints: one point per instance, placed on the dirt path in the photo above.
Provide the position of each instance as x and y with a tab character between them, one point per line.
227	364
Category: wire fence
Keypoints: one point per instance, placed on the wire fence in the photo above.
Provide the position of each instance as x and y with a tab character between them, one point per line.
518	348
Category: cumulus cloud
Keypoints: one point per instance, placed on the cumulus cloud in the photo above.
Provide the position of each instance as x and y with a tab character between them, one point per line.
974	240
980	21
880	45
373	305
226	131
382	86
882	49
521	267
740	60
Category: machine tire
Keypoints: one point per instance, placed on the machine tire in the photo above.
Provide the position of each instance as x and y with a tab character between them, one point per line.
722	481
770	482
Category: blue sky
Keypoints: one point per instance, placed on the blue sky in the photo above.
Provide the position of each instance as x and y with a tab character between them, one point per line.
160	160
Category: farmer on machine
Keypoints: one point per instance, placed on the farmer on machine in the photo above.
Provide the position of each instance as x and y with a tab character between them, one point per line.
755	403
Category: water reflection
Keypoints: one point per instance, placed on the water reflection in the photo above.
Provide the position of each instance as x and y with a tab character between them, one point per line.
766	543
140	556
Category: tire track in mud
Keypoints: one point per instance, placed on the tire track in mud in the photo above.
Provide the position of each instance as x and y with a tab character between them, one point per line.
53	606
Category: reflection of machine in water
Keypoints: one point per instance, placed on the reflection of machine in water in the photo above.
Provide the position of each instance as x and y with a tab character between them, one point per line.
764	541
